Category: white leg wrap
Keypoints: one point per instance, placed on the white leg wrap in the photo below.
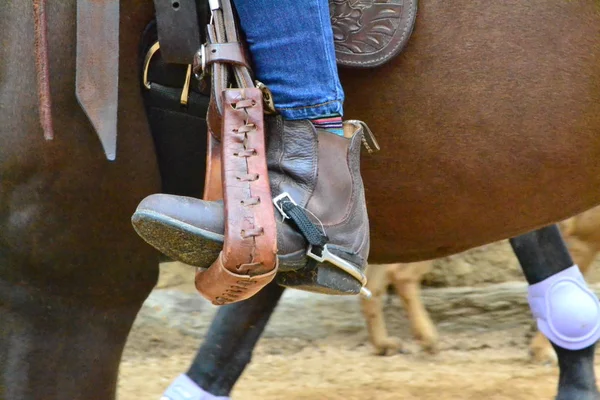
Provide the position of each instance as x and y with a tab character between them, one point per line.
567	312
183	388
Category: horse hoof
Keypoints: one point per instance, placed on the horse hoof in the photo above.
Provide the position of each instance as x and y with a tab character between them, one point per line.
430	347
388	346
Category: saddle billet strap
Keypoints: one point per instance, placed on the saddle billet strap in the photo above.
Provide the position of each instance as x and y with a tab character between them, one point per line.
248	260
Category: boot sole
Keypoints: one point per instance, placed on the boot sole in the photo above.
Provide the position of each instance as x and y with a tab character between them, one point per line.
200	248
177	239
192	245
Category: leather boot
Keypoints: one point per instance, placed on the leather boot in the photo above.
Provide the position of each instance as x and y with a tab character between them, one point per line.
319	198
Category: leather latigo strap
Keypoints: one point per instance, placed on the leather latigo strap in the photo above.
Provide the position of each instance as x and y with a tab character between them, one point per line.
248	260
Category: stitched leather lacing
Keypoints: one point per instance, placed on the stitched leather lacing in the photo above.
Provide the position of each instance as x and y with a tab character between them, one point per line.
245	130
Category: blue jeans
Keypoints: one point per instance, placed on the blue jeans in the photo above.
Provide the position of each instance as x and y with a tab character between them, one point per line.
291	43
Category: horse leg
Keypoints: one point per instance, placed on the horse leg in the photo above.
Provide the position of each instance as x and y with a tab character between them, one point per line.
583	250
372	309
228	346
553	280
406	278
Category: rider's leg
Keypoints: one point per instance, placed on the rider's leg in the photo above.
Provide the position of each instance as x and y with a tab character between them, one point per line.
309	158
292	49
227	348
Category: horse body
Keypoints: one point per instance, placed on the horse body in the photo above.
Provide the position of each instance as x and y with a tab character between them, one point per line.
73	274
488	124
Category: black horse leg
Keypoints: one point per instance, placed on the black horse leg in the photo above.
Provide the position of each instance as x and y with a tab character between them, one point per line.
229	343
544	257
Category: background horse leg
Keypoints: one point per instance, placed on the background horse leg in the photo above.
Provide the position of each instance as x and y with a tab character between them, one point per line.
542	255
406	278
372	310
228	346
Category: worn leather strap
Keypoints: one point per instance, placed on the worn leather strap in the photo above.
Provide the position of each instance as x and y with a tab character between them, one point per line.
231	53
223	30
248	260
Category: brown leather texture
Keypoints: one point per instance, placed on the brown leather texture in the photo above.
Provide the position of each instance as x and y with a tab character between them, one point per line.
213	119
178	30
370	33
223	286
334	180
317	169
231	53
213	184
250	249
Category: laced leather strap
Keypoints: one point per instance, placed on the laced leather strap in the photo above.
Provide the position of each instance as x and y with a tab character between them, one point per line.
248	260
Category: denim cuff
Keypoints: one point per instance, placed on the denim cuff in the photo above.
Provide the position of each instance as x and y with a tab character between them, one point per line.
313	112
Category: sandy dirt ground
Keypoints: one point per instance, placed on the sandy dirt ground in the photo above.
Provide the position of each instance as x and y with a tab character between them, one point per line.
321	352
490	366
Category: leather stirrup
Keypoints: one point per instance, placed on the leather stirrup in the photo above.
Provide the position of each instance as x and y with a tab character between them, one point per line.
248	260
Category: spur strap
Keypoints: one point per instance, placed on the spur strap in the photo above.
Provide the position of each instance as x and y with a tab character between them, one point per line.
248	260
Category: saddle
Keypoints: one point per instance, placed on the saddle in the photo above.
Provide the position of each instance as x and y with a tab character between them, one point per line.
367	34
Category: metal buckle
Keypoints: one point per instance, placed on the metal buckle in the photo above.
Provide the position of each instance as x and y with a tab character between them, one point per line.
327	256
278	199
185	92
214	4
155	47
269	104
199	66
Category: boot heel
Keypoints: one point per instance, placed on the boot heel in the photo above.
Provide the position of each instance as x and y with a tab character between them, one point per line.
326	272
320	278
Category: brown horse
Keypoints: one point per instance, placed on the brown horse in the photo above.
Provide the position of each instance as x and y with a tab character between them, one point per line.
488	125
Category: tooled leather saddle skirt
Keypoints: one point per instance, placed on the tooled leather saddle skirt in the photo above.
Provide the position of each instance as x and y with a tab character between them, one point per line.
369	33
